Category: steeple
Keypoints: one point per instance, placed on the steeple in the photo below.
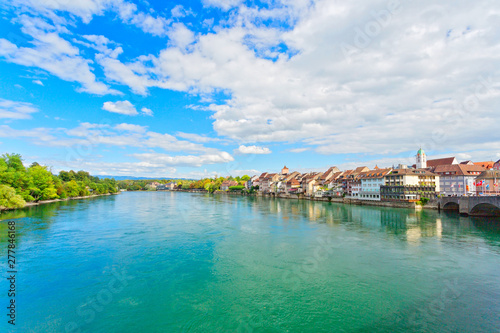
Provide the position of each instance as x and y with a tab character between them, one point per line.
421	159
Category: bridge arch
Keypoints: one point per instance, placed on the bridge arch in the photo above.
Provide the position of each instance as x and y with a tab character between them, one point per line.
451	205
485	209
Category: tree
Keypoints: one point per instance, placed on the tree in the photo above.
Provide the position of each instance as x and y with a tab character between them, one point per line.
66	176
71	188
9	198
14	161
245	178
42	185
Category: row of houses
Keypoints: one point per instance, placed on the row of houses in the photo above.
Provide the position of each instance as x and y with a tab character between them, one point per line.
162	187
427	178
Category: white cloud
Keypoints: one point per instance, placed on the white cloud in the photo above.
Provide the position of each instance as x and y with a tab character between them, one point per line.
121	107
101	43
180	11
298	150
16	110
413	80
223	4
53	54
40	83
187	160
253	150
180	35
147	112
338	104
196	137
131	128
39	134
115	168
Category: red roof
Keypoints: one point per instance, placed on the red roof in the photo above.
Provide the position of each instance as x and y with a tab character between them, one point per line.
441	161
487	165
458	169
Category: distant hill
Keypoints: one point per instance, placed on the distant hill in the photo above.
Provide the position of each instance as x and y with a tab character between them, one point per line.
141	178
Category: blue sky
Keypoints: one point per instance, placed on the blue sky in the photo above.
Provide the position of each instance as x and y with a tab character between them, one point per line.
199	88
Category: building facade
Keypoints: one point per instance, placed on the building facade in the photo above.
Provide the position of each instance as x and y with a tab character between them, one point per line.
371	182
458	179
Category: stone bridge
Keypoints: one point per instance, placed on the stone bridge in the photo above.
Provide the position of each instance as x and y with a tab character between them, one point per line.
473	206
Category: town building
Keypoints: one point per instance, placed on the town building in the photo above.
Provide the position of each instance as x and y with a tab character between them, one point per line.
258	181
458	179
171	186
441	161
293	186
227	184
409	185
285	171
421	159
253	181
487	183
267	185
488	165
496	165
371	182
328	175
351	182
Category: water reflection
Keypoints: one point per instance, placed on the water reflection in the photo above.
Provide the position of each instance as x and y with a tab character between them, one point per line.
411	225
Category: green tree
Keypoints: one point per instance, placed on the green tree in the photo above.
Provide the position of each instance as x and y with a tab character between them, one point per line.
71	188
42	183
14	161
9	198
66	176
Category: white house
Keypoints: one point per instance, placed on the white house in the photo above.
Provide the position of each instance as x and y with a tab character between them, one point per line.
371	182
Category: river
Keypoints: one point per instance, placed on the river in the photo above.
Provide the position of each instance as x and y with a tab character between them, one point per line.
184	262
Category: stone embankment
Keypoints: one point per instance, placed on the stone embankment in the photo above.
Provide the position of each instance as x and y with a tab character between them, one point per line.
348	201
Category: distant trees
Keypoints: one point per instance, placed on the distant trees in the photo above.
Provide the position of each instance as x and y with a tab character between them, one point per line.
19	184
213	184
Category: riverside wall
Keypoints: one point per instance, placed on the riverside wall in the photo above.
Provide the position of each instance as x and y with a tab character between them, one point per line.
347	201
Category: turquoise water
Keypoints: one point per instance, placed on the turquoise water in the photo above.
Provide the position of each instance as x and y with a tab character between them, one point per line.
181	262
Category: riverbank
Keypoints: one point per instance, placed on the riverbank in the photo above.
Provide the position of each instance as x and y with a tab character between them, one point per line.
431	205
31	204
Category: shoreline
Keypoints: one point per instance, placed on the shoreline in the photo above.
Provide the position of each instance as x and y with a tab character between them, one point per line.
431	205
33	204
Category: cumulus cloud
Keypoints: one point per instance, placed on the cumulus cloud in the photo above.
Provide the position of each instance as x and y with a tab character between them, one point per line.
186	160
197	137
16	110
131	128
147	112
223	4
121	107
180	11
53	54
418	87
339	78
253	150
298	150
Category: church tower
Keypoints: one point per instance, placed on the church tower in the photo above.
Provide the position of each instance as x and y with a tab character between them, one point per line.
421	159
285	171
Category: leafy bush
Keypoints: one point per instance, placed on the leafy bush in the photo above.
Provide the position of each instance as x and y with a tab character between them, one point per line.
9	198
236	188
423	201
